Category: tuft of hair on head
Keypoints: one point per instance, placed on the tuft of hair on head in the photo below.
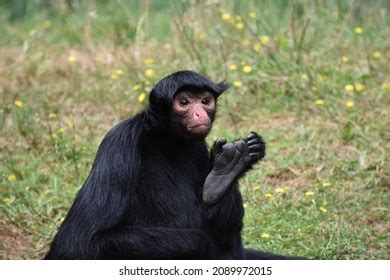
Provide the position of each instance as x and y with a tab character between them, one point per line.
166	89
194	82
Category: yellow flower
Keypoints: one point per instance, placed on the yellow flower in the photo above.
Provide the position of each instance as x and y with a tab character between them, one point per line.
349	104
319	102
252	15
62	219
385	85
349	87
11	177
246	42
98	59
54	136
119	72
69	123
344	59
265	235
268	195
72	59
141	97
377	55
326	184
46	24
237	84
18	103
149	61
321	78
61	130
226	16
149	73
264	39
238	18
136	87
247	69
359	87
245	205
240	26
279	190
256	47
201	36
114	76
313	88
232	67
52	116
231	21
358	30
7	201
323	209
309	193
256	188
305	77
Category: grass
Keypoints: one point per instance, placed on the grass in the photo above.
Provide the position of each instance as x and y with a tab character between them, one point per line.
317	89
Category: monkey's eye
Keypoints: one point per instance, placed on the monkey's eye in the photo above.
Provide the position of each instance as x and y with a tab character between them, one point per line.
183	102
205	101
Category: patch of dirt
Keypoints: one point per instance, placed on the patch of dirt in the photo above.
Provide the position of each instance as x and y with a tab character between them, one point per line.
377	224
282	123
292	122
385	182
342	150
287	178
13	244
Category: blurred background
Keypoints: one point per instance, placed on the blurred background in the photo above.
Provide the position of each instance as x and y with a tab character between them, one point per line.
312	77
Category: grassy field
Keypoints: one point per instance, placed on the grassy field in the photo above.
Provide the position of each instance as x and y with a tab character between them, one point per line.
312	77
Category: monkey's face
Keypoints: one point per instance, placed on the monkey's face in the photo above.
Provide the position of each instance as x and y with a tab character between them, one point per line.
192	114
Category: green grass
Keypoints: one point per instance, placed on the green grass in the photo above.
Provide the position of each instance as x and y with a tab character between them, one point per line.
323	189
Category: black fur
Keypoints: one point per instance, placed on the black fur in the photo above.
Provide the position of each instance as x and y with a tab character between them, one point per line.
143	196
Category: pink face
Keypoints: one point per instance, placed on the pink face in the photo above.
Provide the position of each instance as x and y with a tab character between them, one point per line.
194	112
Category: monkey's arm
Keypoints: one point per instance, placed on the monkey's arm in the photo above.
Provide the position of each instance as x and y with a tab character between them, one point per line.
224	208
230	162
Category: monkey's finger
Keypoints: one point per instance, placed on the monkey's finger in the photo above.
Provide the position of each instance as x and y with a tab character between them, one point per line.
254	141
256	148
221	142
260	154
256	156
241	146
252	134
217	147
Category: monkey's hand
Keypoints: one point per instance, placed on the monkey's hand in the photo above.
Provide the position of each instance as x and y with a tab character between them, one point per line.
231	160
256	147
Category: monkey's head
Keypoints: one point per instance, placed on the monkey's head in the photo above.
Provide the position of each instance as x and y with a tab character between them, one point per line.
192	114
184	104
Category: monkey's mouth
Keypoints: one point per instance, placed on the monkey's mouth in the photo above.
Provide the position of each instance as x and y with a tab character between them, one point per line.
199	129
198	125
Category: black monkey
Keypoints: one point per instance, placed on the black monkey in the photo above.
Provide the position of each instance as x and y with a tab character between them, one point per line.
154	190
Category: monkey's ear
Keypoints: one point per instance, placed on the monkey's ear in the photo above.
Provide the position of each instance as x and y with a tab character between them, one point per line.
221	87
